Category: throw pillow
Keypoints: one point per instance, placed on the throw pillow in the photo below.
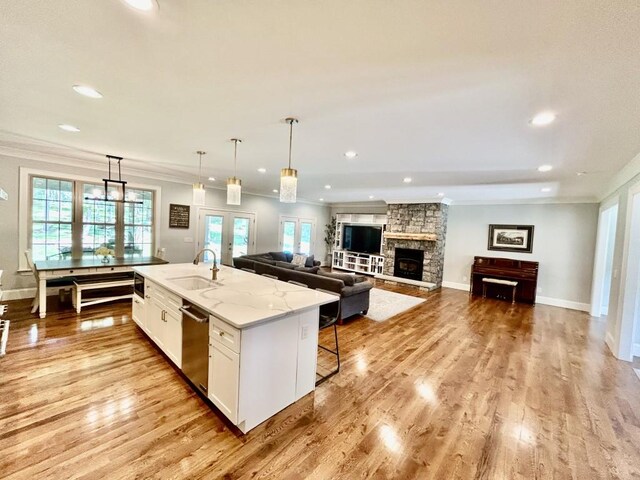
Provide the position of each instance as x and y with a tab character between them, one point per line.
278	256
299	260
309	262
348	280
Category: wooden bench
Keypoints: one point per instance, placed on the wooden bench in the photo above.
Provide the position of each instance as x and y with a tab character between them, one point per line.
80	286
498	281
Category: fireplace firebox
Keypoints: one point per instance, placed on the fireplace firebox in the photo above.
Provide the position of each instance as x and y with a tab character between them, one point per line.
408	263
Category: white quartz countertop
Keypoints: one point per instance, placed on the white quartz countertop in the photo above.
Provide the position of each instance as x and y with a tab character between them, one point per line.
240	298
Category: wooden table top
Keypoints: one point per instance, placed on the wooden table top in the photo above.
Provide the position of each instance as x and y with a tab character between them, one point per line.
95	262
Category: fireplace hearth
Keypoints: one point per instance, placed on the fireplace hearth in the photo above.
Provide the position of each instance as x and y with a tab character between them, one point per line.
408	263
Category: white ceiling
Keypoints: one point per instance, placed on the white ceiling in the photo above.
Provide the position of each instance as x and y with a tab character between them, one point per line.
438	91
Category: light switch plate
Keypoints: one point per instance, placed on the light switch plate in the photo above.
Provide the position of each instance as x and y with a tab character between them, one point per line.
3	195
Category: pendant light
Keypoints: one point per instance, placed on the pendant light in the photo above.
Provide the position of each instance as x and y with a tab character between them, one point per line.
115	189
199	194
234	184
289	176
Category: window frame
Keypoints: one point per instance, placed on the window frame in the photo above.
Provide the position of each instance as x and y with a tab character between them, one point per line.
25	224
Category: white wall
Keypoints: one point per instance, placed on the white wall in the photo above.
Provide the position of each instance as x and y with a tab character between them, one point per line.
564	244
267	209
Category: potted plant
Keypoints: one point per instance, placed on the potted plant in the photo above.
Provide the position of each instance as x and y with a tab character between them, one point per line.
330	239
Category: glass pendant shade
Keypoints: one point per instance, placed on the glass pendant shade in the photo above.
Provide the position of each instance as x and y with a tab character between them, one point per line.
234	191
288	185
199	195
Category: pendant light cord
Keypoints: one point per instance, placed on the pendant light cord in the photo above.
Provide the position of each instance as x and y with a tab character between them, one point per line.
290	139
235	157
200	153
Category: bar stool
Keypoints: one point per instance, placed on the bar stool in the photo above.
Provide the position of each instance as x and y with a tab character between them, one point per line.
300	284
329	315
270	276
248	270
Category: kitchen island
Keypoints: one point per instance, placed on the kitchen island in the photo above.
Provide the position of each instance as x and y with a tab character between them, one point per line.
261	333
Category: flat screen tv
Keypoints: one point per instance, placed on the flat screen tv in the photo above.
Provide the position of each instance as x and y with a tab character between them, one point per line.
363	239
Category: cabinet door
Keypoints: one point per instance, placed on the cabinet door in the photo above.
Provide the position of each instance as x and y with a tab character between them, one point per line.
173	337
156	322
137	312
224	374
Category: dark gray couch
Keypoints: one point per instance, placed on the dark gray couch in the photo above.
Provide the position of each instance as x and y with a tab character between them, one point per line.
273	258
354	296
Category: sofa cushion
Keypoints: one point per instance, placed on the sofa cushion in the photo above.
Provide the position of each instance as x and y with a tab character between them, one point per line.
278	256
313	269
288	265
288	256
348	279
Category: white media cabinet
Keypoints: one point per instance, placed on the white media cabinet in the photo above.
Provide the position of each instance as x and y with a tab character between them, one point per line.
370	264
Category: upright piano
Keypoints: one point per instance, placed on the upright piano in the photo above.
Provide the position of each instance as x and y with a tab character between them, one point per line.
521	271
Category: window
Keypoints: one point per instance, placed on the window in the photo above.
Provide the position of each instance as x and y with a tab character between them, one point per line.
68	221
297	235
52	218
98	220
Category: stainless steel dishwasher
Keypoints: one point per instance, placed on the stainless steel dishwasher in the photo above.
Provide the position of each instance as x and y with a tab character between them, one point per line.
195	345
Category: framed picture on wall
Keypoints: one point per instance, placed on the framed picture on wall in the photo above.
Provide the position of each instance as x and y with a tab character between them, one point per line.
511	238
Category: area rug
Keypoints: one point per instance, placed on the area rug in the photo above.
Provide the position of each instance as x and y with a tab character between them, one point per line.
384	304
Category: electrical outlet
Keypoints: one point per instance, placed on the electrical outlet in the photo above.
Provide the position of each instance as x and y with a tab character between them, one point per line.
305	332
539	290
464	278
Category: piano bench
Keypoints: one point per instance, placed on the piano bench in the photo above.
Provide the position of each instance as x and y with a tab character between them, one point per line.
498	281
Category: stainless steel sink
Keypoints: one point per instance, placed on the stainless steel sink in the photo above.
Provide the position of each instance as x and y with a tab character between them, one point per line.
193	282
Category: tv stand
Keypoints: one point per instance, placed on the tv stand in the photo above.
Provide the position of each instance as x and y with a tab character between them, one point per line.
358	262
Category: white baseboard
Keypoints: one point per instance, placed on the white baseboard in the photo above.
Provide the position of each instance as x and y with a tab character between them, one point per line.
635	350
555	302
21	293
457	286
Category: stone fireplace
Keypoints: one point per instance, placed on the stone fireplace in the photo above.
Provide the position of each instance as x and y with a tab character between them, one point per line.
416	227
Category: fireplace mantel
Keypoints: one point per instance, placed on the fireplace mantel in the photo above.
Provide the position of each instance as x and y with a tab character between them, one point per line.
425	237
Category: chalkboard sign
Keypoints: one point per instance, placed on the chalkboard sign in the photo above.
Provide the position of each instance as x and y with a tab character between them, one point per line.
178	216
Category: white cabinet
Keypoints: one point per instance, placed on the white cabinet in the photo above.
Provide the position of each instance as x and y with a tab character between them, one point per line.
224	379
164	321
138	312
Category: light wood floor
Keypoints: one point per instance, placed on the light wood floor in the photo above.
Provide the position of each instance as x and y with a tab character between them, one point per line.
455	388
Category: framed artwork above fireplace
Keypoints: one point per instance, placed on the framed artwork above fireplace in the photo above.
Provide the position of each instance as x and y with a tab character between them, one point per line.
511	238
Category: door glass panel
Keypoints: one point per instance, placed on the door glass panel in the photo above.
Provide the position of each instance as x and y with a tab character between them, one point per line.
213	236
288	236
305	237
240	236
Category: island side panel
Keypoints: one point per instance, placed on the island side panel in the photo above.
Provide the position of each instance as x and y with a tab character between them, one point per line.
307	352
268	365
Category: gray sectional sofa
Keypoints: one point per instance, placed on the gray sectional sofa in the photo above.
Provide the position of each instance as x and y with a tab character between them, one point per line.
353	289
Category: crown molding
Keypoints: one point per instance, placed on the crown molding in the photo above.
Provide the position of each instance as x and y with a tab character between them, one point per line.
531	201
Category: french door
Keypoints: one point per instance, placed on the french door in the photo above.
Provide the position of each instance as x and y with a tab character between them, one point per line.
229	234
297	235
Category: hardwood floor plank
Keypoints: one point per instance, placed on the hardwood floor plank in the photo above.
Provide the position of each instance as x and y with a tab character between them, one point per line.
456	387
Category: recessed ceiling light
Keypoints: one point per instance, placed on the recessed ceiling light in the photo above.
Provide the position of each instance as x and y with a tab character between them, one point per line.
542	119
370	197
407	179
350	154
545	190
68	128
262	170
580	174
545	168
441	194
321	199
327	187
275	190
212	179
87	91
144	5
